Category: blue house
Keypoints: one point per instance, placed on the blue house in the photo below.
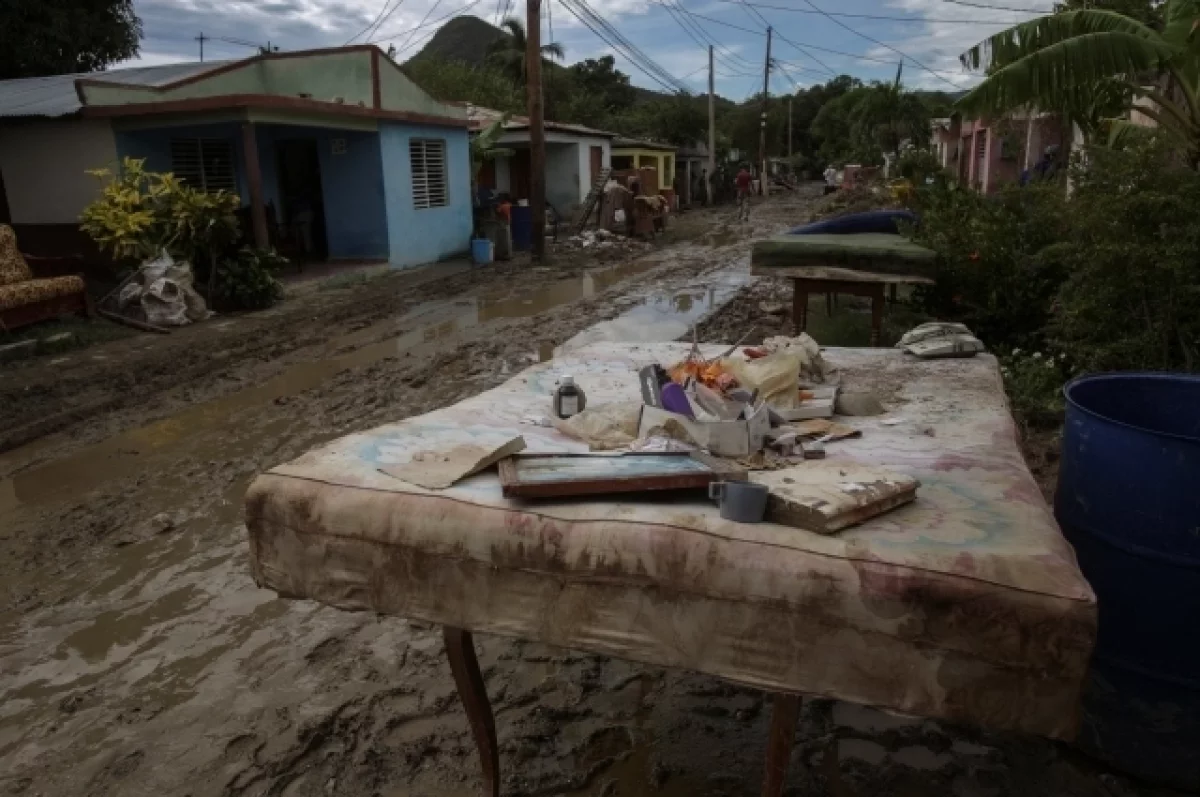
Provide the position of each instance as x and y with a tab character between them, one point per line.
335	153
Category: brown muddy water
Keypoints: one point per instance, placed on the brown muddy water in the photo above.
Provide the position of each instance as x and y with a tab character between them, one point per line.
138	658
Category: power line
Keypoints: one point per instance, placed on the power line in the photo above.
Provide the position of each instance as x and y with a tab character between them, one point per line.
860	34
823	65
427	25
386	17
709	38
371	24
868	16
413	32
1039	12
678	19
607	33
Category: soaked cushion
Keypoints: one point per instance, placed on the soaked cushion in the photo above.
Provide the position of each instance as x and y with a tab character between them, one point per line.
22	293
966	604
13	267
881	251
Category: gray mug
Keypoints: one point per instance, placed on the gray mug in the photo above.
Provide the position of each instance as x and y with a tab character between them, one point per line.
745	502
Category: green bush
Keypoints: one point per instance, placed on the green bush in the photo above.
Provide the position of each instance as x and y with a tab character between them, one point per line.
248	282
1034	382
919	166
992	275
1132	297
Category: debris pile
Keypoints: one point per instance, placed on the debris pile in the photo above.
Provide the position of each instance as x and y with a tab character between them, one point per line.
600	240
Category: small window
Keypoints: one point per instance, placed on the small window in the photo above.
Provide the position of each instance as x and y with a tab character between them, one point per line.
428	157
204	163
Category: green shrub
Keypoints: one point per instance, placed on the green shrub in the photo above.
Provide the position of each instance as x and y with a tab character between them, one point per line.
1034	382
1132	298
248	282
921	165
992	275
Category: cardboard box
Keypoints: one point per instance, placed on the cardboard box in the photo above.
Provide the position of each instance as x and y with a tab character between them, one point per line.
723	438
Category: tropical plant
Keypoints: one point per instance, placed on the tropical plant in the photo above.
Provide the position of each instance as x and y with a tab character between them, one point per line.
139	213
508	53
1093	62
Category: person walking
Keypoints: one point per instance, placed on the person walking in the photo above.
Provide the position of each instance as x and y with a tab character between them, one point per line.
742	183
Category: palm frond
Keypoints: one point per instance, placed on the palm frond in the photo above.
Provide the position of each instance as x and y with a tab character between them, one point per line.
1123	133
553	50
1067	65
1018	42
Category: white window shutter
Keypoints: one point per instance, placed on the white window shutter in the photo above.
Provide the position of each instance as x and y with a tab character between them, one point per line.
430	185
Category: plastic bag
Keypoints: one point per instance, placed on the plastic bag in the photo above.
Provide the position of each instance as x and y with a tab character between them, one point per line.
603	427
812	364
776	377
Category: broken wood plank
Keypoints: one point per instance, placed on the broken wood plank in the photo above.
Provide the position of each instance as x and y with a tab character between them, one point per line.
827	496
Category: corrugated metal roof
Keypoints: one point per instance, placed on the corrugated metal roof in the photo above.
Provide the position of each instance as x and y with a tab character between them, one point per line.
636	143
480	118
55	95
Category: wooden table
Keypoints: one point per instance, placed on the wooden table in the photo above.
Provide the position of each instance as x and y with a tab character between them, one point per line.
860	264
808	280
965	605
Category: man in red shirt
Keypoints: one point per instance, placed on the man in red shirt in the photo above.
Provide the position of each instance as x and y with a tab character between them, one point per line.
742	183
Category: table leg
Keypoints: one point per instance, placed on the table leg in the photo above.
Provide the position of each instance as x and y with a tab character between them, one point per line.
830	301
876	315
460	650
892	293
785	712
799	307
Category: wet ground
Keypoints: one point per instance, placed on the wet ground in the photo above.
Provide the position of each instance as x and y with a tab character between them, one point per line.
138	658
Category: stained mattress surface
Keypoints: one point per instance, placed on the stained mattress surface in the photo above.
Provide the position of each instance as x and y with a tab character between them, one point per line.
966	605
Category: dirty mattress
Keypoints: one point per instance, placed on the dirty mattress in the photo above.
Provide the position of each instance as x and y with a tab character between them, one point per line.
965	605
875	251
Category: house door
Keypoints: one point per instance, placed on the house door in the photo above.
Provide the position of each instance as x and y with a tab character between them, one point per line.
302	202
597	162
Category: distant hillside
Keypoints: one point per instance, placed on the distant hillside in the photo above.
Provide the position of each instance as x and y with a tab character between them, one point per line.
464	38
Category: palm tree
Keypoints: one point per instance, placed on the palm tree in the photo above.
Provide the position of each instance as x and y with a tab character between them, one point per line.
1091	62
508	52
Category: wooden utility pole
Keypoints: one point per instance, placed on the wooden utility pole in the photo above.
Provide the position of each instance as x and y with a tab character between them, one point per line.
712	129
201	39
762	128
537	130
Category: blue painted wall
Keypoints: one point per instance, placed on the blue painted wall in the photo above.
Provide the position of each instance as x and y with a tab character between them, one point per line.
154	146
356	224
351	183
423	236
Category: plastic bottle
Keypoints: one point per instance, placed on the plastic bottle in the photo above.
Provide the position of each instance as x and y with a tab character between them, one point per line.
568	398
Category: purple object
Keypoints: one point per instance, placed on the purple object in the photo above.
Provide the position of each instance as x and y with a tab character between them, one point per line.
675	400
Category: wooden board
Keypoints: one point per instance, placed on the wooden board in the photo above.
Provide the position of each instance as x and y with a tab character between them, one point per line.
826	496
555	475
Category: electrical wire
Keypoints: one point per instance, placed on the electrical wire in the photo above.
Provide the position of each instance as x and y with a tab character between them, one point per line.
872	39
435	23
371	24
413	32
709	38
1039	12
703	43
865	16
610	35
801	49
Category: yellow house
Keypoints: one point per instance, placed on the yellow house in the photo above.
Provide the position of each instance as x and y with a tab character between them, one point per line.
629	153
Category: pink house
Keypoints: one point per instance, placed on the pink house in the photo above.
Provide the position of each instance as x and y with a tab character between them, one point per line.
994	152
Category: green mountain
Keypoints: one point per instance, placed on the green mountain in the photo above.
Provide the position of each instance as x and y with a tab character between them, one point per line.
466	39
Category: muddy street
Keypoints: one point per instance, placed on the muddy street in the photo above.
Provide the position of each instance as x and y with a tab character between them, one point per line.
137	657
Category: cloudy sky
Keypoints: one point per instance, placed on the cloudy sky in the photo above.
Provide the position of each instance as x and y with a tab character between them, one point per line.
931	32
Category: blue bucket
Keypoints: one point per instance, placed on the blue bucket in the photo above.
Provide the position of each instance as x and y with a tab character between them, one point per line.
1128	499
481	250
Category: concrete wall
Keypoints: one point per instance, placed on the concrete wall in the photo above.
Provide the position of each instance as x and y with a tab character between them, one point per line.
585	162
351	185
422	236
44	166
330	77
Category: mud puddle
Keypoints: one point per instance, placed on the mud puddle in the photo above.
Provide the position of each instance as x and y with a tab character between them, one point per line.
208	428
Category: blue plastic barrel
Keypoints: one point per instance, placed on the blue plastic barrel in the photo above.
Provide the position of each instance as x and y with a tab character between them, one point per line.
522	227
481	250
1128	499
